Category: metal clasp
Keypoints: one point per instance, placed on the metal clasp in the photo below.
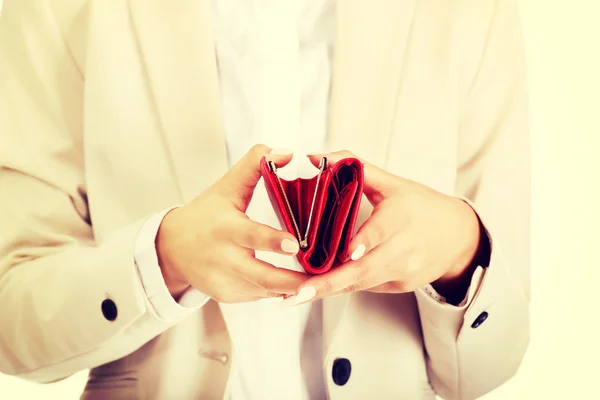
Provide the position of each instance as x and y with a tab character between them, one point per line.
302	239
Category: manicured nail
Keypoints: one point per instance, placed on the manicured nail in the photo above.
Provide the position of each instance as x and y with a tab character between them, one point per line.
281	152
290	246
358	252
304	295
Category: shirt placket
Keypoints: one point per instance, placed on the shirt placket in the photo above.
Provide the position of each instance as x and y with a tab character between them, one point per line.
279	77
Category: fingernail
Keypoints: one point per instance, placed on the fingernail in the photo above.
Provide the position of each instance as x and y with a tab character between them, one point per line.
304	295
290	246
281	152
358	252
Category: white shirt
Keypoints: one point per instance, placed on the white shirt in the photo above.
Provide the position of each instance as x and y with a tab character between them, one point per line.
274	65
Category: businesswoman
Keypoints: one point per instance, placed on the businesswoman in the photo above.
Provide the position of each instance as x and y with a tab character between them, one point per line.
137	239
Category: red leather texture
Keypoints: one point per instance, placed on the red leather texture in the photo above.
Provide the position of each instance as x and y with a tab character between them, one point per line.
334	216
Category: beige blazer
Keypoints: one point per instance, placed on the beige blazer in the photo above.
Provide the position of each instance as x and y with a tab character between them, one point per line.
111	112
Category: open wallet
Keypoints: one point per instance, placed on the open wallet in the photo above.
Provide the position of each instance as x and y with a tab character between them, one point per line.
321	211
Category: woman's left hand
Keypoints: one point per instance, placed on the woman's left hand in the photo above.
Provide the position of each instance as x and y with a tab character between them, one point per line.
415	236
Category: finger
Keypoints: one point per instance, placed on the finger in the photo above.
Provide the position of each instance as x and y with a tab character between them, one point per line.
257	236
392	288
377	229
239	182
248	289
349	277
232	288
269	277
377	182
315	158
235	299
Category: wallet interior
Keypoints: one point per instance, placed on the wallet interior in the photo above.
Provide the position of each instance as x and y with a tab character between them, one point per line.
331	218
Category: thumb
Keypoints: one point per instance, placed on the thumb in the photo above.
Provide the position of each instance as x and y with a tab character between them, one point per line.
377	182
239	182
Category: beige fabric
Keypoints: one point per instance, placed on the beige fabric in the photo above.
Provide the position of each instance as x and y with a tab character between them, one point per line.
110	112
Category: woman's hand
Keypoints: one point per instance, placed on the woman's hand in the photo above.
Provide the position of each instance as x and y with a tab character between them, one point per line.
210	242
415	236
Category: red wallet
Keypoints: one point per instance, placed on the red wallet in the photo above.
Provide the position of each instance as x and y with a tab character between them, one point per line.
321	212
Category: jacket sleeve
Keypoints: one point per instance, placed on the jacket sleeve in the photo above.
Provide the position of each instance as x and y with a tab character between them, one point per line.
69	301
474	348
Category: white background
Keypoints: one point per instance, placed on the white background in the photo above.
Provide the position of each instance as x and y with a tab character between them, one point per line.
564	58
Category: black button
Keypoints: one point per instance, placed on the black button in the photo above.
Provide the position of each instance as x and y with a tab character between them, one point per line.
479	320
341	371
109	309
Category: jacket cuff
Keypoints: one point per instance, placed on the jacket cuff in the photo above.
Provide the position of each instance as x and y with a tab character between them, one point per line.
445	315
146	259
430	291
435	311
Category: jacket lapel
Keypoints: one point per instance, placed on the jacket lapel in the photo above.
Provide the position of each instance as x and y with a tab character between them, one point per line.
176	43
371	40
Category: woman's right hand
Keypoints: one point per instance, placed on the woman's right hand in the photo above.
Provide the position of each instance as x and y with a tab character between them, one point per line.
210	242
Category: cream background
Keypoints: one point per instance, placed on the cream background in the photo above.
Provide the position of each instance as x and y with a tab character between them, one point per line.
564	59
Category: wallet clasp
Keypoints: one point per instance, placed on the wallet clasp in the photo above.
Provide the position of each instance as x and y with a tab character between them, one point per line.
302	240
